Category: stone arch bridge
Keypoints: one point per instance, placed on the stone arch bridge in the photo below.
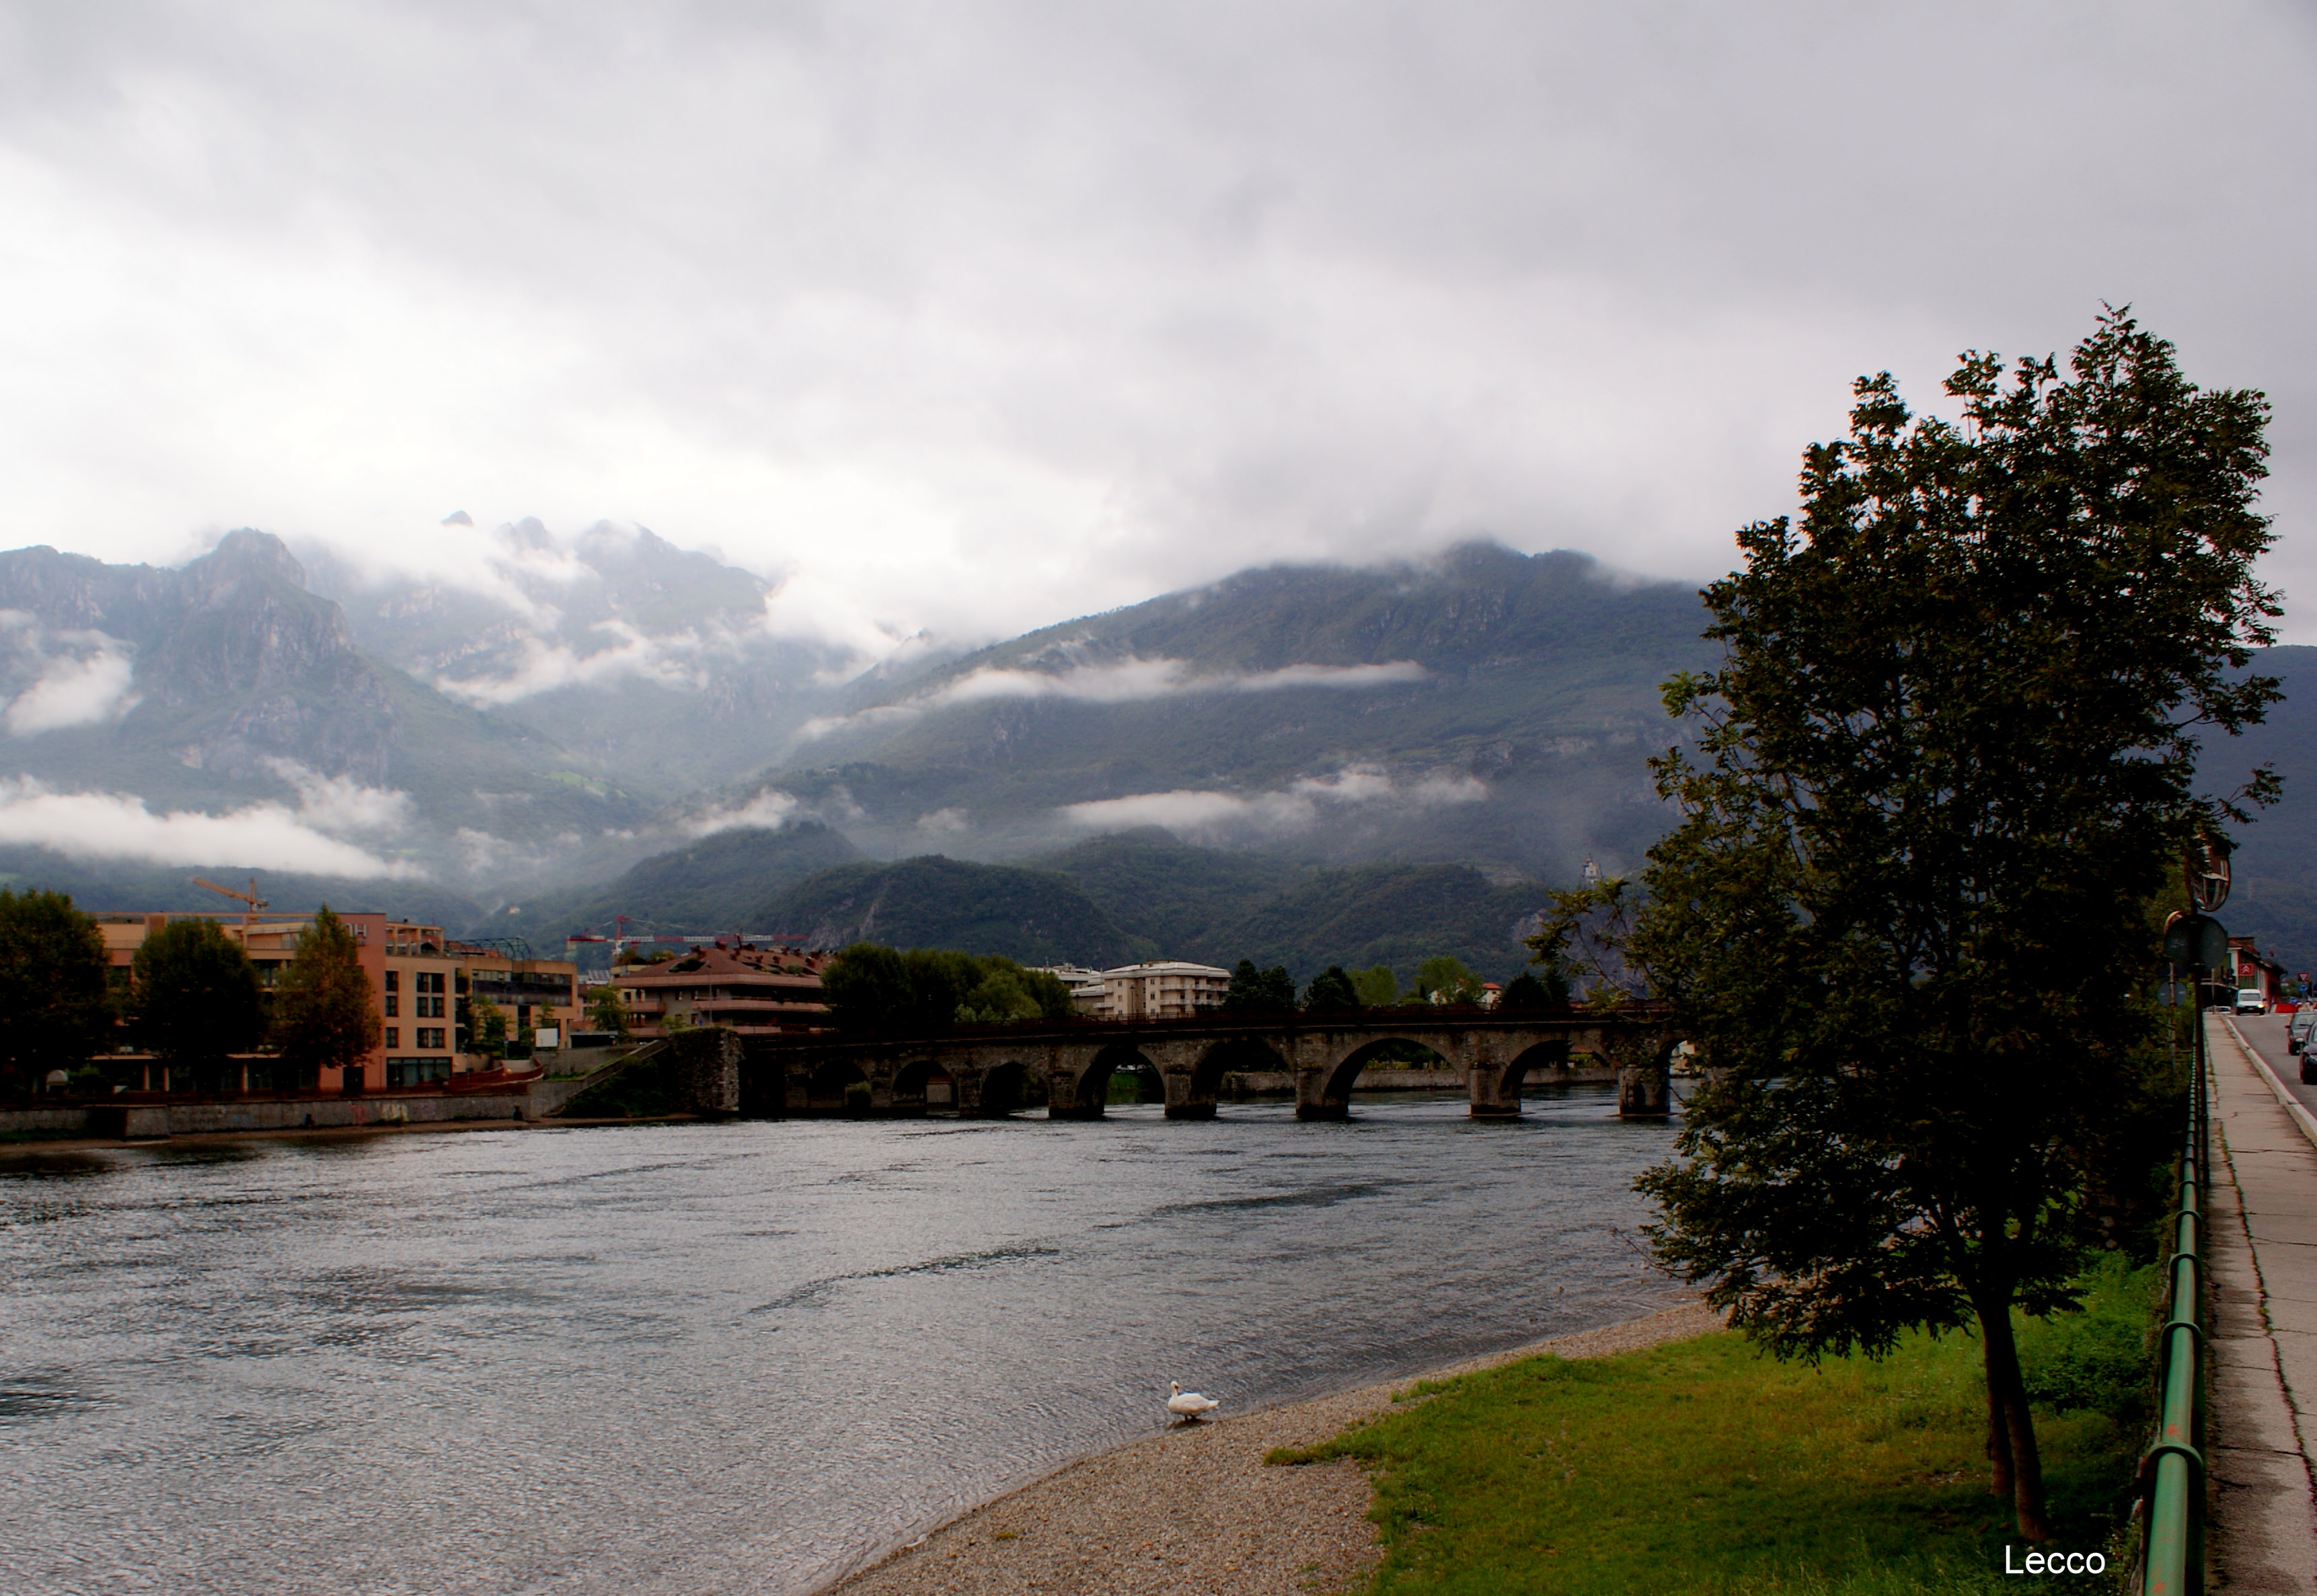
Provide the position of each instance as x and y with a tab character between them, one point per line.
992	1071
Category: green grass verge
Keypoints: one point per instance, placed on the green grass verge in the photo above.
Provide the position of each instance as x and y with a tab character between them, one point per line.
1705	1466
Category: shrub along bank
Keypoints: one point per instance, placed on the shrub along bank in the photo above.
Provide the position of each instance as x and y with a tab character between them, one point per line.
1706	1466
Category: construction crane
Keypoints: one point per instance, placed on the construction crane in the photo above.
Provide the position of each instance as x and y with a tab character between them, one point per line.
256	904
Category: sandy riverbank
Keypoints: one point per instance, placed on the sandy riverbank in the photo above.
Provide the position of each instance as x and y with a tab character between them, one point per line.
1194	1509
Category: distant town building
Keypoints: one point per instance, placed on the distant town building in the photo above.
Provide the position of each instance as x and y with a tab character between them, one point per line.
758	991
1161	989
2256	972
420	979
1089	991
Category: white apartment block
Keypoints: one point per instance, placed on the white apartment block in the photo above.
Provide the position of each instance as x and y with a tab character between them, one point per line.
1162	989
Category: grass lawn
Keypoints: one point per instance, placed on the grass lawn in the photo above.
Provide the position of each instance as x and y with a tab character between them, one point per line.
1705	1466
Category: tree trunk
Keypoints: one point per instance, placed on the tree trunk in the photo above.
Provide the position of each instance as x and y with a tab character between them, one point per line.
1998	1431
2007	1390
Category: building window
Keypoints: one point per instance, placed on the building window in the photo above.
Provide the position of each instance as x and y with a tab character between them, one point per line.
392	1012
393	1032
393	983
429	1037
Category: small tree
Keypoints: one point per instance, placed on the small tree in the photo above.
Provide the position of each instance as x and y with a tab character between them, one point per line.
1259	992
1377	986
1444	979
606	1011
196	1000
487	1028
1938	780
1331	990
325	1014
56	1006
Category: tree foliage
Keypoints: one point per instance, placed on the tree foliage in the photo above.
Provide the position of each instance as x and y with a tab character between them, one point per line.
868	986
1378	987
1444	979
56	1005
607	1012
1942	771
1525	991
196	995
1259	992
324	1013
1331	990
487	1028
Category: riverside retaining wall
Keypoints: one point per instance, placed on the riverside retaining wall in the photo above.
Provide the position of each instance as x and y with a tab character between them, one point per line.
152	1121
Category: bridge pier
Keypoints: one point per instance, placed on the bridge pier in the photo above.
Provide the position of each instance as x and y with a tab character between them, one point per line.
1643	1092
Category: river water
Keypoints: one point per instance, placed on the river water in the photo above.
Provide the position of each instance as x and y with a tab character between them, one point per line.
728	1358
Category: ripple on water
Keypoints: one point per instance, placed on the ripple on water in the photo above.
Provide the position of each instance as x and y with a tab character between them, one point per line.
727	1358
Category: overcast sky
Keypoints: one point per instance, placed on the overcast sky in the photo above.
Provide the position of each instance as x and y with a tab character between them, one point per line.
977	316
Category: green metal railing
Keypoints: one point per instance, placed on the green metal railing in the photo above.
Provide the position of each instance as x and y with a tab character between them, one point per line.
2172	1556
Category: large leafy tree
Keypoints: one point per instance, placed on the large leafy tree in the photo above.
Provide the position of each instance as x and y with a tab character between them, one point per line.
56	1005
927	989
1932	791
1256	990
324	1013
196	997
1332	990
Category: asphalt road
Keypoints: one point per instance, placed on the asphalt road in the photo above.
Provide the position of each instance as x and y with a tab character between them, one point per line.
2266	1031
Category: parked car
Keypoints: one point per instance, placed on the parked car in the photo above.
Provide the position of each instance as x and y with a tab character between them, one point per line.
2250	1002
2297	1029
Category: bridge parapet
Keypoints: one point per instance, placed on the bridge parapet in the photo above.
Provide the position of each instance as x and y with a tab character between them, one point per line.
987	1071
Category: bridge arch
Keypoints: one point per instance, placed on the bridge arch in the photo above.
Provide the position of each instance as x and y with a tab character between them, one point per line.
923	1085
1090	1092
1334	1100
837	1089
1549	1054
1234	1055
1005	1089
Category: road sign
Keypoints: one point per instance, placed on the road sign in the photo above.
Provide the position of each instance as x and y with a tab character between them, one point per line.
2205	871
2195	939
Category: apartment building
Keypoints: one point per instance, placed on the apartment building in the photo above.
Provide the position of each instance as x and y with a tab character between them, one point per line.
758	991
419	979
1169	988
540	998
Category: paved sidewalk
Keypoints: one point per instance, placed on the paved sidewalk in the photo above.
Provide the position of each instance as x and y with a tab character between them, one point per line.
2262	1251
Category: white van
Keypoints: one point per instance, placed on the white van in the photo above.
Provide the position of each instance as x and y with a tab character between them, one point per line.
2250	1002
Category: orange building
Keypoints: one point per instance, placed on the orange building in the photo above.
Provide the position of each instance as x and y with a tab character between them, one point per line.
419	979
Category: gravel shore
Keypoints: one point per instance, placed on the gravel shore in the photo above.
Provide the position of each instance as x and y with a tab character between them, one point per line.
1194	1509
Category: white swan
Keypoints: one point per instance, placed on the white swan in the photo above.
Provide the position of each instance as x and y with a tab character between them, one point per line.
1188	1405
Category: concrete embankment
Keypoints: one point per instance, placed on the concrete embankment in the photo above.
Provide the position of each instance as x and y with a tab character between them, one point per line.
153	1121
700	1068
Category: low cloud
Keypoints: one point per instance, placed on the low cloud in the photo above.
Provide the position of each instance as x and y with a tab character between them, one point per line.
483	854
1124	681
1296	807
543	666
1129	679
118	826
769	810
80	679
342	806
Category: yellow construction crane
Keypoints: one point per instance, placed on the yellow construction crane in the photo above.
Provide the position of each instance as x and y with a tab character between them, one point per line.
255	903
